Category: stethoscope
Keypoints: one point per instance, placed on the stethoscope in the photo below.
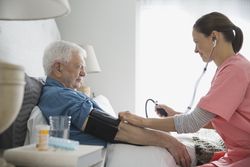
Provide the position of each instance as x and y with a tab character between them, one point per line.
189	107
199	79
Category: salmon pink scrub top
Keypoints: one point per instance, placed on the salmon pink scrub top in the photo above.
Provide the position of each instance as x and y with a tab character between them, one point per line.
229	99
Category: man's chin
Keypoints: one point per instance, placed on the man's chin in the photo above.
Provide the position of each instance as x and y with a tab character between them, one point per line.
77	86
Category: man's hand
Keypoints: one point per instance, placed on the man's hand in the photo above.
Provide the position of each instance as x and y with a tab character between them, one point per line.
86	90
179	152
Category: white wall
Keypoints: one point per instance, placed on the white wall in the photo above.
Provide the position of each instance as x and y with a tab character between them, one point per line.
23	43
108	25
175	67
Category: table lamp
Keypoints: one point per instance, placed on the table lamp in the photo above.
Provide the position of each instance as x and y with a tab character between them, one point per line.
92	66
11	93
33	9
12	77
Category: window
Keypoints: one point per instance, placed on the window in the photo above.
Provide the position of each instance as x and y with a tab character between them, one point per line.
166	65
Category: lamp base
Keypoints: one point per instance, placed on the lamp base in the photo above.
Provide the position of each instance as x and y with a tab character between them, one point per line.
12	82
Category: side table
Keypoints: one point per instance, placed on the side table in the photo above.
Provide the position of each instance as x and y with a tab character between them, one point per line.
28	156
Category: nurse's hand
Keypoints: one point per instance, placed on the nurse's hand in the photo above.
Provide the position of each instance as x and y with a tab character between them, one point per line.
170	111
131	118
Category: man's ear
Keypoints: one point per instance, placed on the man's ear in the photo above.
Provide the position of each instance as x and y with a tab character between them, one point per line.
57	68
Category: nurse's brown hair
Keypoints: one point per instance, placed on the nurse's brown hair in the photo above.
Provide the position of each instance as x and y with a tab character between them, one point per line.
221	23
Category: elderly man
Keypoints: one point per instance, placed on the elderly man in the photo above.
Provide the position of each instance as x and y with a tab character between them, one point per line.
64	66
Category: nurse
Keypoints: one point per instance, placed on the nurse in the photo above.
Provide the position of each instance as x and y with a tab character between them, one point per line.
226	106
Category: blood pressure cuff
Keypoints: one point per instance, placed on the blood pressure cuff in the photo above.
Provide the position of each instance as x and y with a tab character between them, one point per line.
102	125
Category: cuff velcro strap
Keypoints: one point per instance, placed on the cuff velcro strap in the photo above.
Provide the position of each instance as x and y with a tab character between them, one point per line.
102	125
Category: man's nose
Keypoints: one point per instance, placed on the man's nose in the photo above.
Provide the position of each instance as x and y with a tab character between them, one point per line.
83	72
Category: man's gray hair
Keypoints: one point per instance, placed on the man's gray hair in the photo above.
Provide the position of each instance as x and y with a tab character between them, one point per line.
60	51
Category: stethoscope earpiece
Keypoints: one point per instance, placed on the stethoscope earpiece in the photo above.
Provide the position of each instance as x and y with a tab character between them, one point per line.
214	41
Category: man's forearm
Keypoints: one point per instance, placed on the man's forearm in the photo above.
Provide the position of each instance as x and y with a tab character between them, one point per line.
141	136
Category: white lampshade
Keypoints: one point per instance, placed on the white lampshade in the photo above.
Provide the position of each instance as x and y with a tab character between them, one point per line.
92	65
33	9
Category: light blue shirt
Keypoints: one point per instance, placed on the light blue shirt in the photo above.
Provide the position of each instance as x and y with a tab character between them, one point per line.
56	100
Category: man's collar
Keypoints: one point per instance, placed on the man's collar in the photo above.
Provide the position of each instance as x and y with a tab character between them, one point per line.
52	82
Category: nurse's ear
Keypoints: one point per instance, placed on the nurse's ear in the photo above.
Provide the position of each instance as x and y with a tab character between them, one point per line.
214	35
